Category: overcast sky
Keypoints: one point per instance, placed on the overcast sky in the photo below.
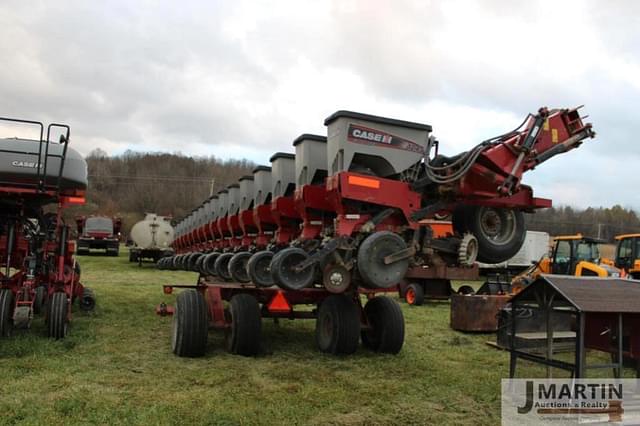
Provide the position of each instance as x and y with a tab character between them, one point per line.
244	78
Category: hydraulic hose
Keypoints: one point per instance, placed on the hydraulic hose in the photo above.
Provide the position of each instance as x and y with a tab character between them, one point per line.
448	173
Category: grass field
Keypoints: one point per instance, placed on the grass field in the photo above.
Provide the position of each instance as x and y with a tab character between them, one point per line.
116	367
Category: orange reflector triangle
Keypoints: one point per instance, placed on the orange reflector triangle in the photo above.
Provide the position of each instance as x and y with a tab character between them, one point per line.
279	303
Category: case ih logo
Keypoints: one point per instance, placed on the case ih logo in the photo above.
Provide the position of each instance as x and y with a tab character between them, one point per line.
26	164
367	136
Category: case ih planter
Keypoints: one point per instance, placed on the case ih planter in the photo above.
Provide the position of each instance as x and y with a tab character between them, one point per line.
38	179
360	212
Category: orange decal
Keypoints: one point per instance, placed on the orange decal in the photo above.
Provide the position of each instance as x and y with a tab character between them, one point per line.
366	182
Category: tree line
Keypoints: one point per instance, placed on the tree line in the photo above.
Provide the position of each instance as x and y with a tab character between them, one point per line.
135	183
600	222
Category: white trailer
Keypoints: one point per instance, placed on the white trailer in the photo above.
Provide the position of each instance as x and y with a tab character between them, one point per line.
536	245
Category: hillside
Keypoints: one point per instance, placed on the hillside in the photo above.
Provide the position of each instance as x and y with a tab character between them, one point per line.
131	184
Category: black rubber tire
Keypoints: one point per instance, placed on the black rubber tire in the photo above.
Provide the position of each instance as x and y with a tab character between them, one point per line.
199	262
182	260
168	263
57	320
466	290
39	299
371	256
414	295
283	274
87	301
385	318
6	312
131	257
176	263
338	325
244	335
490	249
186	261
209	263
222	266
192	260
238	267
259	268
190	325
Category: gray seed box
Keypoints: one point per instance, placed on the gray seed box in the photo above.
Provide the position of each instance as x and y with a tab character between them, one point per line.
222	203
212	208
261	185
233	199
246	192
311	159
283	174
383	146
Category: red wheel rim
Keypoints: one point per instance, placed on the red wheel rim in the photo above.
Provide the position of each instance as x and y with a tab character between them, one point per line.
410	296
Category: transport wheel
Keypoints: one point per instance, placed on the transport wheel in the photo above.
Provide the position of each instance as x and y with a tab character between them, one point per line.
338	325
57	318
386	322
190	325
259	268
371	256
282	269
6	312
131	257
87	302
244	336
500	232
414	295
209	263
199	263
222	266
466	289
39	299
238	267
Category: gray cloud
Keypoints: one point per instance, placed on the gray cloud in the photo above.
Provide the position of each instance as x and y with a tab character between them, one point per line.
247	77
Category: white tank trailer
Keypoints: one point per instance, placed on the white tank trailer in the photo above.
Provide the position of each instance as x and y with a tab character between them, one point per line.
152	238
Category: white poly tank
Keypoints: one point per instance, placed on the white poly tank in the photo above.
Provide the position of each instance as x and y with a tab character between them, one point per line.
152	232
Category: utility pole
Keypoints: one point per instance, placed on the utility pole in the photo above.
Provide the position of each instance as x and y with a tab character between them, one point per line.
213	182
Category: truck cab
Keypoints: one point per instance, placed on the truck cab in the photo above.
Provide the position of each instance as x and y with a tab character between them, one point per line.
98	232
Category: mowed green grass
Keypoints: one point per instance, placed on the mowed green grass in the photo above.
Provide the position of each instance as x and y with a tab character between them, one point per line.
116	367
